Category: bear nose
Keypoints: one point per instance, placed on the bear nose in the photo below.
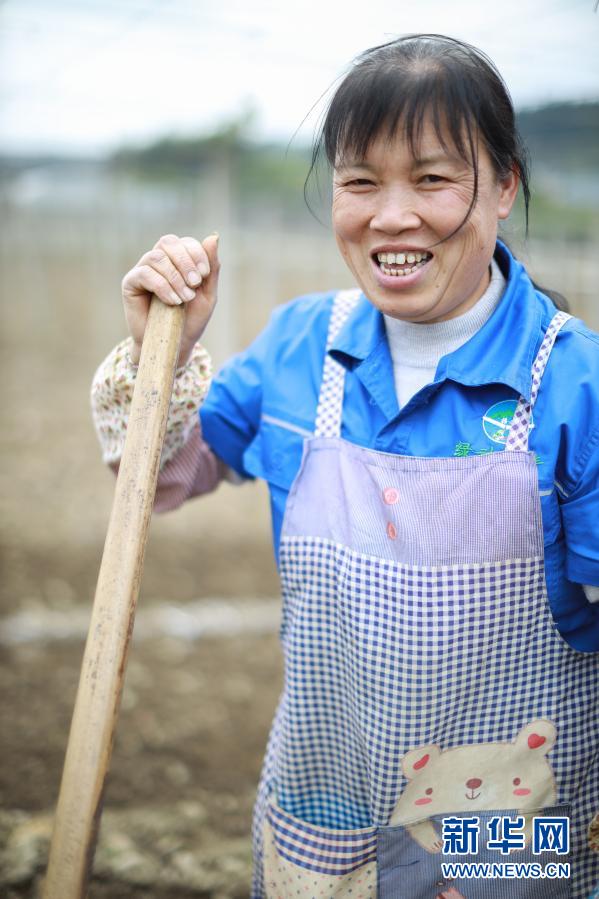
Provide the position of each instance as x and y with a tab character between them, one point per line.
474	783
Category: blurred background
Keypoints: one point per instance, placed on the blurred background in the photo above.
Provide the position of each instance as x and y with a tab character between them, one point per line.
120	122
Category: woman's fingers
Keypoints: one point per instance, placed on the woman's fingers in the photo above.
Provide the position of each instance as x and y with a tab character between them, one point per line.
160	264
210	250
186	255
146	279
178	270
198	254
199	311
171	259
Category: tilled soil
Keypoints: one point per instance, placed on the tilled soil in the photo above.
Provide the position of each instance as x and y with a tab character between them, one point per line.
186	762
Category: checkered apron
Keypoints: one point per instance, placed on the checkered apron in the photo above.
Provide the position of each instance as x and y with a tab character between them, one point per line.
424	674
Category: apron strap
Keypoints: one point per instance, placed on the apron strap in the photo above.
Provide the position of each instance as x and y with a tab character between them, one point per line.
330	400
518	435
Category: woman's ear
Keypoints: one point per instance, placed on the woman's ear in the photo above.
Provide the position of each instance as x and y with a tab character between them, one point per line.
508	187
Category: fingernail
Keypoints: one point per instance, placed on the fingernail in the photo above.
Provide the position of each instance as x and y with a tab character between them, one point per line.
188	294
203	269
176	299
193	278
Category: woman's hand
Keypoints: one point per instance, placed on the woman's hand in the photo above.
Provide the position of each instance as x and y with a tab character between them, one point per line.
178	270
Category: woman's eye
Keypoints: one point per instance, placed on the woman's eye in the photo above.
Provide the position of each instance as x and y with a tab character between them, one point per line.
433	179
359	182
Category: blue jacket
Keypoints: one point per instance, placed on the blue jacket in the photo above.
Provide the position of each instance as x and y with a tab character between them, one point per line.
262	405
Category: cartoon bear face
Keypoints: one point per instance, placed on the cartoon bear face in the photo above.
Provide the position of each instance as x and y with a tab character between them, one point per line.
482	776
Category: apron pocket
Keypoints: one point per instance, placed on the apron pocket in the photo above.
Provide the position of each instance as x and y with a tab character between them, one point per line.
308	860
302	859
408	871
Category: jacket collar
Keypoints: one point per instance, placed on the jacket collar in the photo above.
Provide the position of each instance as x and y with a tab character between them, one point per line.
501	352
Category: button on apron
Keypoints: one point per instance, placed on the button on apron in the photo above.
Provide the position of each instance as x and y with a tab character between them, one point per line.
390	495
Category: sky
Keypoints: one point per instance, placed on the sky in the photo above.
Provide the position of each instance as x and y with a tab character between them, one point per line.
83	77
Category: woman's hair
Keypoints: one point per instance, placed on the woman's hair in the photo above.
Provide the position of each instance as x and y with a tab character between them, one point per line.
401	84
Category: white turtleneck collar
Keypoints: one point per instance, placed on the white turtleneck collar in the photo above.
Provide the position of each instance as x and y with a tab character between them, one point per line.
417	347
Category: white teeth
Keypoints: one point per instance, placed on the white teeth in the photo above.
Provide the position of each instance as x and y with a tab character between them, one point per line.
402	258
414	262
396	272
400	272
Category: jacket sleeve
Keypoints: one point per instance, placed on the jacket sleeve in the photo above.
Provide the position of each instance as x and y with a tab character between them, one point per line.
231	413
572	403
580	517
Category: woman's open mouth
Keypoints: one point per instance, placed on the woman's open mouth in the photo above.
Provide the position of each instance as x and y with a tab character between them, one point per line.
400	265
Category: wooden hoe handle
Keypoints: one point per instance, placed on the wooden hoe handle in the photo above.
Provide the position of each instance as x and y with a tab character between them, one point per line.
103	669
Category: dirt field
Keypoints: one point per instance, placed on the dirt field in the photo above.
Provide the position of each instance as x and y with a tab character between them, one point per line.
185	765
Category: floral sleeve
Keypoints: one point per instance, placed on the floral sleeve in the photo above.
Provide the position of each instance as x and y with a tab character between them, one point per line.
112	392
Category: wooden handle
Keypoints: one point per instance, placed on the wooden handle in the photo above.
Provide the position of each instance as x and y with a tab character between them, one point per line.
103	669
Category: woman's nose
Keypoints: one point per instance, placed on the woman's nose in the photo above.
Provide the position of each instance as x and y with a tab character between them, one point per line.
396	211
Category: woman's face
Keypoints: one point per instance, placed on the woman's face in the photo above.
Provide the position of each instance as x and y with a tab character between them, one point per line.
392	202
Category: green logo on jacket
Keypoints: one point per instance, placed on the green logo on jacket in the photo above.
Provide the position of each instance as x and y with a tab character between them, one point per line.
497	420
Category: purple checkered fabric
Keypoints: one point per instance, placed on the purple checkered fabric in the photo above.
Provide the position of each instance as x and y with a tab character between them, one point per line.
330	401
405	625
518	437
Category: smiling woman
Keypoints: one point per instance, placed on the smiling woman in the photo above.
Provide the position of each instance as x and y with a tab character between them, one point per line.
422	139
431	445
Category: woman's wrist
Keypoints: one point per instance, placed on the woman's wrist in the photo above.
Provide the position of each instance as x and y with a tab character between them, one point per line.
133	353
185	354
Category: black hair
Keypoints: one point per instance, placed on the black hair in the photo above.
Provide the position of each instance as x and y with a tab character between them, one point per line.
399	84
